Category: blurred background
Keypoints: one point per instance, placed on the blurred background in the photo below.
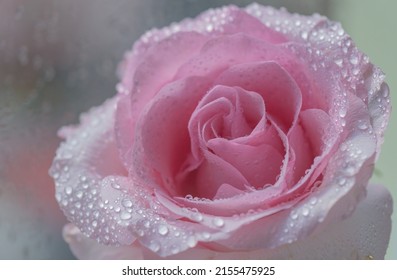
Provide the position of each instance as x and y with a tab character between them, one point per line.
58	59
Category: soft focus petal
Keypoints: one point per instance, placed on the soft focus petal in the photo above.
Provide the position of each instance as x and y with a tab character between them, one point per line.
364	235
85	248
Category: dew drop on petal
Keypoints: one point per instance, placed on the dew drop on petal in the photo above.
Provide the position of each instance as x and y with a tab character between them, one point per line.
154	246
341	181
162	230
191	241
125	216
363	126
127	203
354	59
313	200
206	235
218	222
68	190
342	112
79	194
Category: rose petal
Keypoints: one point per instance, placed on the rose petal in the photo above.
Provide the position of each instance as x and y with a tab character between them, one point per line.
85	248
364	235
225	51
147	79
279	91
213	172
260	164
162	138
81	166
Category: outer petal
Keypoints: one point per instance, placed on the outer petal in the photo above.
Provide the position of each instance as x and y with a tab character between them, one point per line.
334	51
364	235
85	248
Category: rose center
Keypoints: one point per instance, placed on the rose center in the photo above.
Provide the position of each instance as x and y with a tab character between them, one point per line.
228	155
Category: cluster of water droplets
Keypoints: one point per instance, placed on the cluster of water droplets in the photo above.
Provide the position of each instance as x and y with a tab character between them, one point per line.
115	210
210	22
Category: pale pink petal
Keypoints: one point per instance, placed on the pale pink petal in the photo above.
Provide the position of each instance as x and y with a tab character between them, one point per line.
364	235
302	155
87	157
213	172
145	80
222	52
260	164
85	248
162	137
279	91
318	127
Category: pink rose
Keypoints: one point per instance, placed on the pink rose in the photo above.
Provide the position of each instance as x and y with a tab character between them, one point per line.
240	130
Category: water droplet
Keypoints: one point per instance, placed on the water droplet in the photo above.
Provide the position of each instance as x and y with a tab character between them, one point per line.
363	126
294	215
342	112
146	224
116	186
341	181
79	194
163	230
175	249
154	246
339	62
218	222
125	216
191	241
206	235
354	59
197	217
127	203
305	212
94	223
313	200
68	190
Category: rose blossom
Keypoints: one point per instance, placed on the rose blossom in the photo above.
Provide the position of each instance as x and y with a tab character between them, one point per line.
239	130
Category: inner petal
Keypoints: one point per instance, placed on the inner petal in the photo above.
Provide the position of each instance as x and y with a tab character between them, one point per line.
260	164
162	140
226	114
276	87
212	173
241	112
